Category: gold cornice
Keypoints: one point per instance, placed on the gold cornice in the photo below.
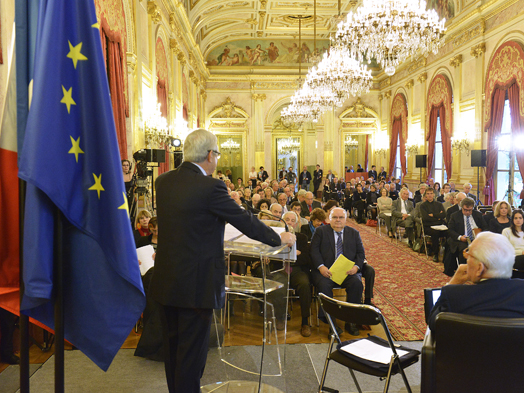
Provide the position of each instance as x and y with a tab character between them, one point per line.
256	97
467	34
154	11
387	94
385	83
478	50
455	61
415	65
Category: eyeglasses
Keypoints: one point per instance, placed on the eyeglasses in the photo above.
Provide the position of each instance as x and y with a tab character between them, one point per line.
466	253
467	210
216	152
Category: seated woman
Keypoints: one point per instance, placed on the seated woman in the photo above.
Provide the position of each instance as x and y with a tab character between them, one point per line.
385	205
316	219
371	200
515	236
500	219
142	225
263	204
359	202
268	194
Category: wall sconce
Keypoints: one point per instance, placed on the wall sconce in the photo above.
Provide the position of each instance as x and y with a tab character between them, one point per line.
414	142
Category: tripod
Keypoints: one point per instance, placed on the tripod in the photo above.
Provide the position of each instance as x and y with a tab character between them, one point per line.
510	193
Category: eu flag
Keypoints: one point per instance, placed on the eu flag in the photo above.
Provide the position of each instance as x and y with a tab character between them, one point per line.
71	162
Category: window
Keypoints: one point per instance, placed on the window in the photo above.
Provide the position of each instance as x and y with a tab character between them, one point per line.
398	167
439	174
508	173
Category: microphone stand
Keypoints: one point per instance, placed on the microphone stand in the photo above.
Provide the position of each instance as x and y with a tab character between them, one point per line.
271	215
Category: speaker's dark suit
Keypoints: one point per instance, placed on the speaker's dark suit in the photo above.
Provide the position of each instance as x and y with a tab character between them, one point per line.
495	297
451	210
323	253
189	268
305	209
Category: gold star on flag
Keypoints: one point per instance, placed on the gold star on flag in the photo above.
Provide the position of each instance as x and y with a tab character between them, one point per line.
125	206
67	99
98	185
96	25
76	148
74	53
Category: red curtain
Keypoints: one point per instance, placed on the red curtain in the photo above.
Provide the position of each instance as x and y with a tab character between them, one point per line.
396	130
114	61
366	155
446	142
161	93
497	114
516	123
432	136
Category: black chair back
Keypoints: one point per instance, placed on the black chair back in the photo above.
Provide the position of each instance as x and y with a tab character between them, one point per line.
349	312
478	354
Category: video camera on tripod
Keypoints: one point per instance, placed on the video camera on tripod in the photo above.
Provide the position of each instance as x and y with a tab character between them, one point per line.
144	170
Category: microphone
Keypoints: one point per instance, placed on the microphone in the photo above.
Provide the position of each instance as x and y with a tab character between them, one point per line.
271	215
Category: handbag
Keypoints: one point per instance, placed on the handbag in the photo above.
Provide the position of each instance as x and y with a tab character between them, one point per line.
371	223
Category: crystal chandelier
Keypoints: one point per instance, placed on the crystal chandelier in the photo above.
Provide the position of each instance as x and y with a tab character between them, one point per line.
288	146
350	144
155	127
390	31
229	146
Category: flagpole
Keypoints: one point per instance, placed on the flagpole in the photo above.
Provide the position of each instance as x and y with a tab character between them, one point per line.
58	284
24	319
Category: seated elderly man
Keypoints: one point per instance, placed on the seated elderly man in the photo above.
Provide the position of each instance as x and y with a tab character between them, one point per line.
300	277
328	242
276	210
401	215
489	266
309	204
282	201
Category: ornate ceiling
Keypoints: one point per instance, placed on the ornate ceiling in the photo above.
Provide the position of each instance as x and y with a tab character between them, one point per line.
216	22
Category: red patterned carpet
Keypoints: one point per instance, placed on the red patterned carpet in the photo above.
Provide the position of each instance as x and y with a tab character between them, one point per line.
401	276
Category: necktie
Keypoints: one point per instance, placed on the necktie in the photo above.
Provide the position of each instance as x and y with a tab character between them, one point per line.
309	206
469	230
339	248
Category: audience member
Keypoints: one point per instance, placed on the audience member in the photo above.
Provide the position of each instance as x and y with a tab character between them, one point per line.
309	204
401	215
515	235
328	242
304	179
297	208
467	188
501	214
489	265
318	174
371	200
373	172
382	173
263	204
330	205
463	226
385	208
253	177
433	213
449	200
276	210
142	225
317	218
262	175
456	207
359	202
300	276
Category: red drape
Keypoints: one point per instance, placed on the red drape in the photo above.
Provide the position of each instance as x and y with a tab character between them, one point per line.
114	60
367	152
446	142
516	124
396	130
497	114
161	93
432	137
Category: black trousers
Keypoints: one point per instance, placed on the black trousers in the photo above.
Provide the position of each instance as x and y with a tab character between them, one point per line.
435	237
299	280
186	339
368	274
352	284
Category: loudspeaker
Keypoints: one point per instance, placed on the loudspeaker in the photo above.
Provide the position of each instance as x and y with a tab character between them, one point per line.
155	155
478	158
421	161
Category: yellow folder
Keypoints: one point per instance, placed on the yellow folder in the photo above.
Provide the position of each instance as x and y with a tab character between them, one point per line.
339	268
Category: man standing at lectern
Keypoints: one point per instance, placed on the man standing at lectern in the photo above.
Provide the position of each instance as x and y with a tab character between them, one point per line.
189	272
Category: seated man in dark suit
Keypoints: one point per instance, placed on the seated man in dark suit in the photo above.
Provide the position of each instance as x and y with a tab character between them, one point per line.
328	242
433	213
489	265
462	227
456	207
401	215
466	189
309	204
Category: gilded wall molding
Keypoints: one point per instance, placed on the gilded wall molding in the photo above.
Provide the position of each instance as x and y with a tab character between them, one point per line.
181	58
455	61
469	33
380	97
259	147
415	65
410	83
174	46
387	94
385	83
257	96
328	146
290	85
478	50
422	77
154	11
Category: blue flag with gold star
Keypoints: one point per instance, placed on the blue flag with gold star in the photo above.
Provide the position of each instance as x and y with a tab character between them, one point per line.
71	162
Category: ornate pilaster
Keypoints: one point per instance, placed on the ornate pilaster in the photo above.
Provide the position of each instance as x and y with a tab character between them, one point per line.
455	61
422	80
256	97
260	157
478	50
422	77
410	83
